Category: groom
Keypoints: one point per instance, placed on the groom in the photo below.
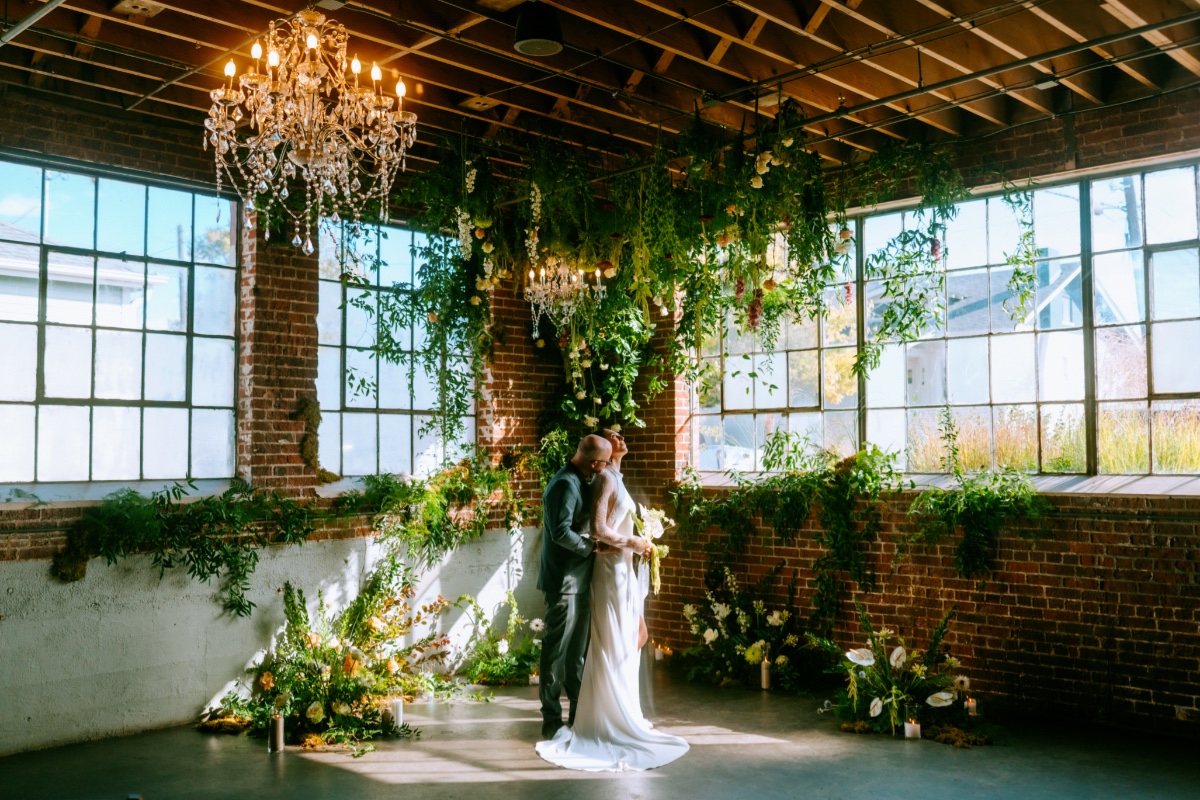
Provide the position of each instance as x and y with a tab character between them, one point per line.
566	578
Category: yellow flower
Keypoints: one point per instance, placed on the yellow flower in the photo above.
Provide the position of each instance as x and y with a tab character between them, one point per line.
756	182
266	681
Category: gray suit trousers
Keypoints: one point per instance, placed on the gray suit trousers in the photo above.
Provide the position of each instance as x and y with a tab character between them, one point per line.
564	648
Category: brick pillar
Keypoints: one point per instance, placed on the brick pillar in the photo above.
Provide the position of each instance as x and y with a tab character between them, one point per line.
277	362
660	450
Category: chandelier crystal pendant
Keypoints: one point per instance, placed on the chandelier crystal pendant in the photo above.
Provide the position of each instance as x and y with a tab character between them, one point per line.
309	118
557	291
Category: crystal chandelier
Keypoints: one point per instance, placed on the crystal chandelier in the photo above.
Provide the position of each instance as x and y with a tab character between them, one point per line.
309	118
557	291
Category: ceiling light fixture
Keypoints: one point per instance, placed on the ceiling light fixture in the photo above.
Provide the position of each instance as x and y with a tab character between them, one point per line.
538	30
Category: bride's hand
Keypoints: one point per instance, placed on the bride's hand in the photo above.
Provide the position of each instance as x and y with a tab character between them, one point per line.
641	546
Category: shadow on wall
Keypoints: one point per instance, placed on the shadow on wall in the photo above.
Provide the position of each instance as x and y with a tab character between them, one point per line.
123	651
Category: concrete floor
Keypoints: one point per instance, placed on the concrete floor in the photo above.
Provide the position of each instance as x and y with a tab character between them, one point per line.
742	742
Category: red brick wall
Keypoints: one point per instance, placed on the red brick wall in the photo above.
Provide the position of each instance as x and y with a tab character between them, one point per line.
1100	618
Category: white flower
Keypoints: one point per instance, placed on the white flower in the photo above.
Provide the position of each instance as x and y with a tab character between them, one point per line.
940	699
721	610
603	367
585	363
536	625
580	395
315	713
756	182
342	708
775	619
876	707
710	636
325	670
788	142
762	168
615	428
502	647
590	422
898	657
488	247
537	642
862	673
962	683
376	624
861	656
475	300
689	611
358	654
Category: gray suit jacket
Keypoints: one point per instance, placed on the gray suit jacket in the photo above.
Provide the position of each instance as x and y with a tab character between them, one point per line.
567	553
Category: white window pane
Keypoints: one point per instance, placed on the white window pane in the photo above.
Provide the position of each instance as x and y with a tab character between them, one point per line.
1124	433
739	442
766	426
395	444
212	444
360	318
840	388
329	242
214	301
967	302
395	255
20	202
361	250
804	380
708	386
70	209
886	429
18	362
427	451
16	445
1116	213
361	379
1015	432
167	298
708	443
329	313
1171	205
1000	295
925	373
1060	365
1063	439
68	362
166	367
885	383
358	444
1175	292
120	292
69	288
878	231
166	443
967	370
1173	356
216	230
810	425
462	369
1119	281
926	451
116	443
62	449
1121	362
802	334
840	320
1013	375
119	365
1056	220
1059	294
1004	230
770	389
465	443
739	386
737	340
329	377
329	442
19	281
420	339
121	215
966	236
212	372
974	437
1176	433
169	225
841	432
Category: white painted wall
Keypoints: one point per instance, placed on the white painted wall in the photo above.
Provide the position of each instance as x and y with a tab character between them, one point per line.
121	651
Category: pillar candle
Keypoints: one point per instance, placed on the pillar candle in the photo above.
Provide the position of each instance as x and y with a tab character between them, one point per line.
971	708
912	729
766	673
397	709
275	739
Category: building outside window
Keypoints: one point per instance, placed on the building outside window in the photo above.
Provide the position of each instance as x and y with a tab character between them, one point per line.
1117	297
118	307
373	411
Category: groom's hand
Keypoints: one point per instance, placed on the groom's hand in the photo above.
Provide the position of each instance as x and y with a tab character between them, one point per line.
604	548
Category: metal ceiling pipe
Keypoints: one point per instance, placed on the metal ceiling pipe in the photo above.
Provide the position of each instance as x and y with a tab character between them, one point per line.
29	21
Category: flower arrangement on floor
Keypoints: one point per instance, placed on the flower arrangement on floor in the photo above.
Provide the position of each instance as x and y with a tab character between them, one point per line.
329	676
651	523
507	658
736	630
887	681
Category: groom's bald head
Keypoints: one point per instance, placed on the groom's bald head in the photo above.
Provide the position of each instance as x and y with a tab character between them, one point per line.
593	448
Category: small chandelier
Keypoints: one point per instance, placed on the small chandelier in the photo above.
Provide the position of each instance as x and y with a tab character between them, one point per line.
309	118
558	291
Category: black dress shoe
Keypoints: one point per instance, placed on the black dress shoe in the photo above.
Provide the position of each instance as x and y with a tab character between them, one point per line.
549	728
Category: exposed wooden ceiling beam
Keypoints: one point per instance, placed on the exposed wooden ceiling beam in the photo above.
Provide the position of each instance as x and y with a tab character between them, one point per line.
1078	20
1130	18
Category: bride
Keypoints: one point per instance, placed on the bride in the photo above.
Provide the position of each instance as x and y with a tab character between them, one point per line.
610	733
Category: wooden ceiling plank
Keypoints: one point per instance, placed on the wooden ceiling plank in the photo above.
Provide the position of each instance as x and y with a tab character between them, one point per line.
1130	18
1077	20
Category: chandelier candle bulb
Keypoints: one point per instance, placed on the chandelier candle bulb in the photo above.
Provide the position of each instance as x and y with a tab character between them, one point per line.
256	51
356	66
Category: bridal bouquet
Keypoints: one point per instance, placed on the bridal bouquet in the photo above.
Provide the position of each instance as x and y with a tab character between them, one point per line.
651	523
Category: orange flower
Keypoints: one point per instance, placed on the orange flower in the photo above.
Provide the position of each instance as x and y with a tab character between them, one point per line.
392	666
349	665
266	681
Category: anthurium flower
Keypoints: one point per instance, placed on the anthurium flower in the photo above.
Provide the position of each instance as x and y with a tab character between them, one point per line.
898	657
862	656
940	699
876	707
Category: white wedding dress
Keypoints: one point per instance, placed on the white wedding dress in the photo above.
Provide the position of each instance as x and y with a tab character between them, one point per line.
610	734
